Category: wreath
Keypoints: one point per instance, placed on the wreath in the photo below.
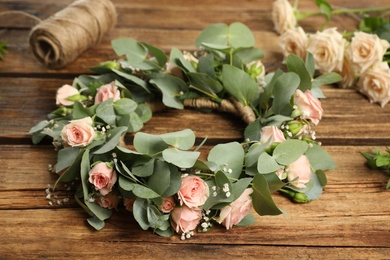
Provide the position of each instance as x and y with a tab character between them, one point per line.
160	178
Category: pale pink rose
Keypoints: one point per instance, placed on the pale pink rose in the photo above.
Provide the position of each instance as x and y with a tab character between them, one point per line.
272	132
103	177
294	41
106	92
280	174
168	204
109	201
129	203
367	50
184	219
78	133
309	106
299	172
232	214
283	16
193	192
375	84
327	48
63	93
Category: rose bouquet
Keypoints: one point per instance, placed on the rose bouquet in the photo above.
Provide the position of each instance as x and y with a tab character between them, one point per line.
360	57
160	178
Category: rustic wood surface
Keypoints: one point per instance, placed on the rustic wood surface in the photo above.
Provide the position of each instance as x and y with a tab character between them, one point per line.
350	221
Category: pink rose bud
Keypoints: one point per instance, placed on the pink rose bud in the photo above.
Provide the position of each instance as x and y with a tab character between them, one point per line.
309	106
63	93
109	201
106	92
184	219
272	132
299	172
193	192
232	214
103	177
78	133
168	204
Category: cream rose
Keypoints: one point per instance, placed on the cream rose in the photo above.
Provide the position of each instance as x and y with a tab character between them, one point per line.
232	214
283	16
348	72
106	92
309	106
184	219
367	50
168	204
193	192
294	41
103	177
78	133
109	201
272	132
327	48
63	93
299	172
375	84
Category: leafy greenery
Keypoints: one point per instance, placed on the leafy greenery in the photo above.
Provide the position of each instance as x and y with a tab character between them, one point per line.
3	50
378	160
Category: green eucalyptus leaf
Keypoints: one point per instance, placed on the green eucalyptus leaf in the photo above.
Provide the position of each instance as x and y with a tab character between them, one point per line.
265	97
325	8
182	159
174	182
247	220
217	193
79	111
171	88
284	88
249	54
319	159
133	79
240	36
267	164
316	190
310	64
205	83
321	177
135	123
139	190
114	136
228	156
66	157
176	58
148	143
184	139
326	78
160	55
252	156
155	217
252	131
72	172
96	223
289	151
239	84
144	112
239	187
296	65
274	183
159	181
98	211
125	106
145	169
206	65
214	34
129	47
140	213
106	112
261	197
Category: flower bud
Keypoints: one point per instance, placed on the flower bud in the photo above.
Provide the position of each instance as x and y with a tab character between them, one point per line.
296	127
110	65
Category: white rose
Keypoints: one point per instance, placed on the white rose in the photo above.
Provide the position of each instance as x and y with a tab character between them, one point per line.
375	84
283	16
327	48
294	41
367	50
348	72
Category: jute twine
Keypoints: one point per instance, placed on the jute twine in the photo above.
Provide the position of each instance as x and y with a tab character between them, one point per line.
60	39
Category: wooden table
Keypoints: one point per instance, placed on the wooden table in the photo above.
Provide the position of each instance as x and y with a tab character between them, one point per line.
350	220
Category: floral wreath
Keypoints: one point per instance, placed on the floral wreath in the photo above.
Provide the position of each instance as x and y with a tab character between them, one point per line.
162	181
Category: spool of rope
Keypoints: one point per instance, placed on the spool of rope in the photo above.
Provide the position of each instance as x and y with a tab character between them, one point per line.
60	39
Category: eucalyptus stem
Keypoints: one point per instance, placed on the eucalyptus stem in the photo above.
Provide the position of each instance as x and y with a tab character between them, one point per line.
360	10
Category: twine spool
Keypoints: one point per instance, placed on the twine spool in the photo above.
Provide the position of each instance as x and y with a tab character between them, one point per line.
60	39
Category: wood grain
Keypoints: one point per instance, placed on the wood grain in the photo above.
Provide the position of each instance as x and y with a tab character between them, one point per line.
349	221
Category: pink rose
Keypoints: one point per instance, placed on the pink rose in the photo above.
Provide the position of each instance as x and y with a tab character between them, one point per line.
109	201
309	106
272	132
63	93
168	203
78	132
129	203
103	177
299	173
106	92
184	219
193	192
232	214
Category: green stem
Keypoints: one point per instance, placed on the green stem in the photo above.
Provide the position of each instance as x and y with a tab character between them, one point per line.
301	16
360	10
